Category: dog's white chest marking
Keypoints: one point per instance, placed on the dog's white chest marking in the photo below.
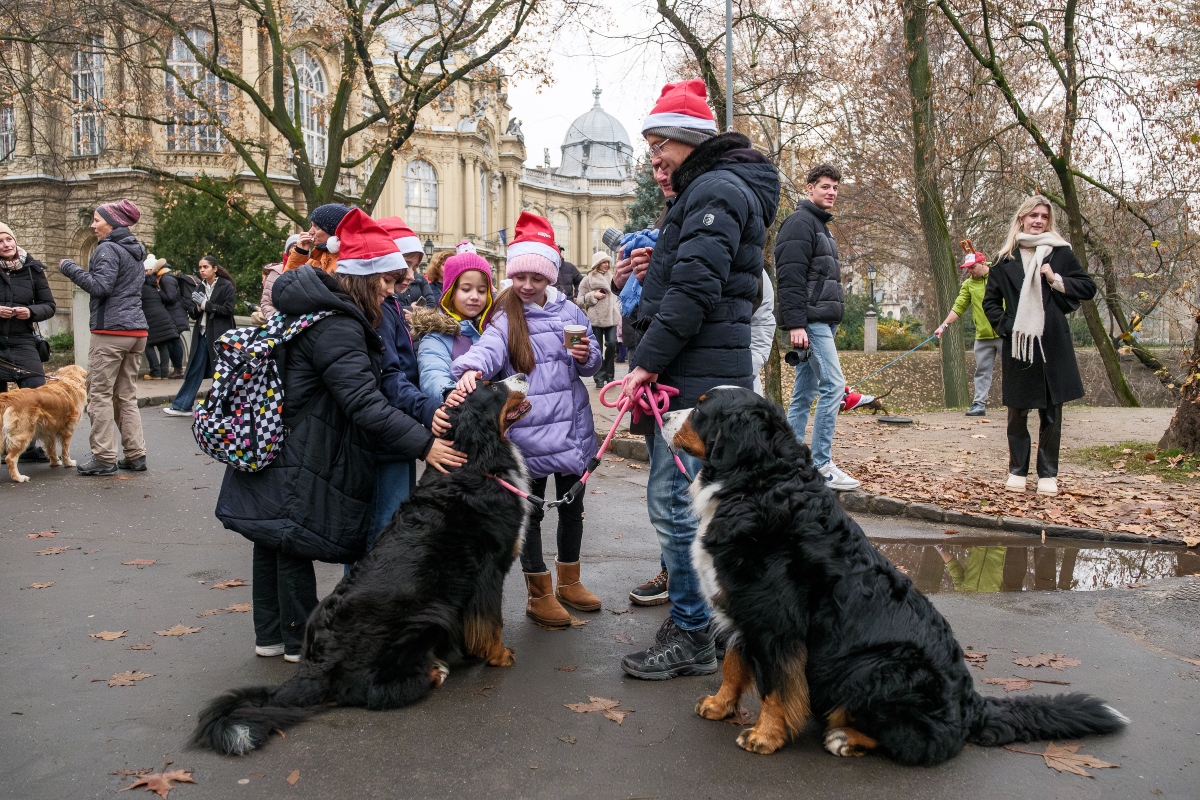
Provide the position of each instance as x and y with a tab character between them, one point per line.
520	479
705	503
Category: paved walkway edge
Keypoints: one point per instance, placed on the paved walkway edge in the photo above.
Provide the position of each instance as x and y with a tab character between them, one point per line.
160	400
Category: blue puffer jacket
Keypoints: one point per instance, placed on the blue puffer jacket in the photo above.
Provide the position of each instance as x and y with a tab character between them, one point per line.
558	434
399	380
436	332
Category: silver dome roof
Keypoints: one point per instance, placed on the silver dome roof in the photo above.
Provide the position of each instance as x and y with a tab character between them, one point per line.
596	146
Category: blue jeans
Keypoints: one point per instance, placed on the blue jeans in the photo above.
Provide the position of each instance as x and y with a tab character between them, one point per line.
819	378
394	482
670	508
197	371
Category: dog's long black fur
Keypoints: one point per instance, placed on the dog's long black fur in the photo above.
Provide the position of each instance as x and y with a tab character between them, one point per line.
796	578
428	592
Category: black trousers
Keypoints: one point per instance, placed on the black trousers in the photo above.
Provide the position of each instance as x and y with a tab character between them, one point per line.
570	525
1049	438
606	340
285	593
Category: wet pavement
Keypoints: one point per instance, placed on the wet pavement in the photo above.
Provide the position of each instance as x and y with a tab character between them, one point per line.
505	732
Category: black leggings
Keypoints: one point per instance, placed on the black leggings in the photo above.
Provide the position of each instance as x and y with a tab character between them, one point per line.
1049	437
159	354
284	593
570	525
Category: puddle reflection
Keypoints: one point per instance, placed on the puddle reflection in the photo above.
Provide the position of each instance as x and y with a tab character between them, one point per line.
1005	568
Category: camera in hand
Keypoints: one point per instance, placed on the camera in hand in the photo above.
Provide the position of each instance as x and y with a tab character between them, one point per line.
796	355
611	238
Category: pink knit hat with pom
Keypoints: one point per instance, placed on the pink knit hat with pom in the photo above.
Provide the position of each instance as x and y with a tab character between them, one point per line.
533	249
465	259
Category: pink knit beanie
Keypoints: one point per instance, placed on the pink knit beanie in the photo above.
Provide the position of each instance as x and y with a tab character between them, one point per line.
531	262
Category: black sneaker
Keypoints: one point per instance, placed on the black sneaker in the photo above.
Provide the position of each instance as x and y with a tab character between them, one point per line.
34	454
674	653
977	410
94	466
651	593
132	464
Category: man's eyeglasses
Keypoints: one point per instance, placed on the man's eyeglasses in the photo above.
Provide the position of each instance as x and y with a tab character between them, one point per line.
657	149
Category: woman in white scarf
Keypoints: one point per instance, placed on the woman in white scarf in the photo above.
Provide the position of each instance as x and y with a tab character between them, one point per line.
1034	284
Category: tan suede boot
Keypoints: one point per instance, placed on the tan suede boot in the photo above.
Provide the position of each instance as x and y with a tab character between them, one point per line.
570	591
542	608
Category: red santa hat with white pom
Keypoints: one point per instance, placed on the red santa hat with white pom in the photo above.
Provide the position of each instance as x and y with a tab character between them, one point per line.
402	235
365	248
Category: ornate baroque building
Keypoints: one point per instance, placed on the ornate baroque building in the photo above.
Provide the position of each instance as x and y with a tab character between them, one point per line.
461	175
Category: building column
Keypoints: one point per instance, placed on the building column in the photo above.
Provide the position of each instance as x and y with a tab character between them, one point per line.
470	195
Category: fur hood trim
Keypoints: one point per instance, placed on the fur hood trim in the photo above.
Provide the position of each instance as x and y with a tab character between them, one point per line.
728	147
432	320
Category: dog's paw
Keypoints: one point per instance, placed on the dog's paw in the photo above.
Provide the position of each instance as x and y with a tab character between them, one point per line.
505	658
69	462
757	742
712	708
21	478
439	673
839	741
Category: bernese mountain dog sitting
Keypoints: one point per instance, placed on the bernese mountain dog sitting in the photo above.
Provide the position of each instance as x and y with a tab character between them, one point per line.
427	593
819	622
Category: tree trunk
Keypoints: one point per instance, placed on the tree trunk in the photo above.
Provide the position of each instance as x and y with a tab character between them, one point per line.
955	392
1104	346
1184	430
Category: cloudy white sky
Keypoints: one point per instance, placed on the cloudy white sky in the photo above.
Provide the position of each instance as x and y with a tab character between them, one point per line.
630	76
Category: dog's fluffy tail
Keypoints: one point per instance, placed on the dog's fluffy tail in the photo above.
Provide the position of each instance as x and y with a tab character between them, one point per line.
241	720
1025	719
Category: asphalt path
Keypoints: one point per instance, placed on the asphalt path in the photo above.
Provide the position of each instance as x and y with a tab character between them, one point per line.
495	732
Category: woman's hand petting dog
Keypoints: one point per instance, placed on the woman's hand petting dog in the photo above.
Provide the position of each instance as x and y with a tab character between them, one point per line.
466	384
442	454
441	421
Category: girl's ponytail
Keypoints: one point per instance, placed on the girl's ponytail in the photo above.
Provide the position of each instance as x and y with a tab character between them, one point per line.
520	349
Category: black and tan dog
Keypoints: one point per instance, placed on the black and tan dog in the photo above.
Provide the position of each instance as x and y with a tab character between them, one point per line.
819	622
428	592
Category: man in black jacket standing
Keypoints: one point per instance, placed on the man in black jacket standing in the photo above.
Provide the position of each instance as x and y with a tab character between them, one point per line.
569	276
699	292
810	308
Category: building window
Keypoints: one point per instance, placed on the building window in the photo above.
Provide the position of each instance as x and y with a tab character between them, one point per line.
8	132
187	75
483	203
312	93
421	196
87	97
562	230
602	223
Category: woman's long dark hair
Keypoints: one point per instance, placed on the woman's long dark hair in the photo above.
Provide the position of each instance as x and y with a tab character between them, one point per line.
216	264
520	349
363	290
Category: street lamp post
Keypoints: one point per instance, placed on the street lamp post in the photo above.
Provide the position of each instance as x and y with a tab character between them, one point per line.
871	319
428	250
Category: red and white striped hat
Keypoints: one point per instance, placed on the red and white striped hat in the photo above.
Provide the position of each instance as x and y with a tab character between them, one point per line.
682	113
366	248
534	235
402	235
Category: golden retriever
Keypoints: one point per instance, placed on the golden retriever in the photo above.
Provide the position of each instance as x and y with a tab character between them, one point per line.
47	414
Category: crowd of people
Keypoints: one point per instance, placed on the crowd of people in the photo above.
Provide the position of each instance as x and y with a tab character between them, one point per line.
368	382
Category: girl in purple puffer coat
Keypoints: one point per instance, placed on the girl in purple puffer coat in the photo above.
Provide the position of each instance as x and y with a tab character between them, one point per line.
558	436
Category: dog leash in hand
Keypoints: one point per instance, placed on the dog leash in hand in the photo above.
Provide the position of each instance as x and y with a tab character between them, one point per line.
653	400
893	361
11	367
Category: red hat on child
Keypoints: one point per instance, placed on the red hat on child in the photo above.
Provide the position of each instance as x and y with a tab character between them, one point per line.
365	247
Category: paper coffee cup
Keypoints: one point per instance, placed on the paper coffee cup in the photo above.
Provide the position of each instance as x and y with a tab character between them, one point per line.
574	334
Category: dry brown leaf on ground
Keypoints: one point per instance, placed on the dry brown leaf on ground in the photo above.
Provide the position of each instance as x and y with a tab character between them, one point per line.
1064	758
576	622
1053	660
161	782
975	659
229	583
178	630
53	551
140	646
293	777
208	613
139	562
622	638
43	534
1011	684
1191	541
126	679
567	668
239	608
605	706
108	636
45	585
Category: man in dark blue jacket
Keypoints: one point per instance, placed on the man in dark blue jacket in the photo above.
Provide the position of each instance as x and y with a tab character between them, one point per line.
700	288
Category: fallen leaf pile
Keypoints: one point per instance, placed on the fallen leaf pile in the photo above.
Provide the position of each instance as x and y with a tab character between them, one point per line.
1053	660
1064	758
161	782
606	707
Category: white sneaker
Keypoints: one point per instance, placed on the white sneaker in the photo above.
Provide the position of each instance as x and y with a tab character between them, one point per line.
1015	483
174	412
269	651
836	479
1047	486
291	659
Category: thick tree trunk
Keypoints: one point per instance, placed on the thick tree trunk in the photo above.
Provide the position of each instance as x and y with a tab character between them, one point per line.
955	392
1184	430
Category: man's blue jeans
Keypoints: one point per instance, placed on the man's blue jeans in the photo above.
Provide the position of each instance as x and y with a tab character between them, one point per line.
670	508
198	369
819	378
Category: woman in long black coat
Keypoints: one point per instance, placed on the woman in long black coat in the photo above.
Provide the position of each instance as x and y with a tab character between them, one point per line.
1035	283
214	317
25	300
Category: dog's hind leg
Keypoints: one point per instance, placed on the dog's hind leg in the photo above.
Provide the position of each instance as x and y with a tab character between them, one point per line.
482	638
843	740
15	445
408	684
736	677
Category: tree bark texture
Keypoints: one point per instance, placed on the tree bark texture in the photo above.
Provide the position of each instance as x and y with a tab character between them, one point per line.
1184	430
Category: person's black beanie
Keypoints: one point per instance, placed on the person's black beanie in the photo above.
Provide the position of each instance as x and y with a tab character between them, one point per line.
329	216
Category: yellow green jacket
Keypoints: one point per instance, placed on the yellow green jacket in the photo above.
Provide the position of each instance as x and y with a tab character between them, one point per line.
984	571
971	294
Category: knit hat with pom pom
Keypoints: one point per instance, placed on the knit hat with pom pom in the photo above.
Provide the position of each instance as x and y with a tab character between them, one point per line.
464	259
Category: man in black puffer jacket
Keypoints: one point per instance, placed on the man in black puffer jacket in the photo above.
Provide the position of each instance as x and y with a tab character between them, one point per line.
699	292
810	308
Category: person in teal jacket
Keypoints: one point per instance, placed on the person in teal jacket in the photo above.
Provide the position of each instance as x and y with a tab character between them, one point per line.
987	343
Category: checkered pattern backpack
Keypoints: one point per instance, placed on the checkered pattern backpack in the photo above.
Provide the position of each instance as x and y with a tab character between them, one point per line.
241	421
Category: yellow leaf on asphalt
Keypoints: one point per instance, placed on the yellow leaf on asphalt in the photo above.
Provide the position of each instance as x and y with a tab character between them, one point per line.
108	636
178	630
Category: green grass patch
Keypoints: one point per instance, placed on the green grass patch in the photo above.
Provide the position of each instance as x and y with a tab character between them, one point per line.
1141	458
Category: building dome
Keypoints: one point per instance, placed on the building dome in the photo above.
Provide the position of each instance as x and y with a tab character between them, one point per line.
596	146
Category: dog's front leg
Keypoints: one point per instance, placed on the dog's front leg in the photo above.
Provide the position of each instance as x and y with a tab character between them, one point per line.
736	677
498	655
784	711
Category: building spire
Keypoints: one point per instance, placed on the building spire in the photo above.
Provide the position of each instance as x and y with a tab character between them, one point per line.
596	93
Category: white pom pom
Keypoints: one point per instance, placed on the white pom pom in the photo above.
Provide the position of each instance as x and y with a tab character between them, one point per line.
333	244
464	246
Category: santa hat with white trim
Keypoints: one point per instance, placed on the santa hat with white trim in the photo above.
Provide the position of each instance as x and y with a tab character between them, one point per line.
534	236
366	248
682	114
402	235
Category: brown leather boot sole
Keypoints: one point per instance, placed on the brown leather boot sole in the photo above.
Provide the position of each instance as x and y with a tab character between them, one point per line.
577	606
548	623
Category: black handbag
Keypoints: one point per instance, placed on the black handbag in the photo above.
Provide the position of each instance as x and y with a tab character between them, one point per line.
42	343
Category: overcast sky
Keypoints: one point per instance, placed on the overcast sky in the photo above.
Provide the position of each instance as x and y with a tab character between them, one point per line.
630	77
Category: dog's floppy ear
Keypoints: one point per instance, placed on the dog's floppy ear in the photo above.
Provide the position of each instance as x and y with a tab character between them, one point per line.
737	440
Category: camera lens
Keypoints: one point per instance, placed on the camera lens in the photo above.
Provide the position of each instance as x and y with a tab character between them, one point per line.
796	355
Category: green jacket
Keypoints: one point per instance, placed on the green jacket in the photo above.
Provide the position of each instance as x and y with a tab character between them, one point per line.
984	571
971	294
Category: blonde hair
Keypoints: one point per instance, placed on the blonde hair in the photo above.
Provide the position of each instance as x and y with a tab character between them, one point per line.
437	266
1031	202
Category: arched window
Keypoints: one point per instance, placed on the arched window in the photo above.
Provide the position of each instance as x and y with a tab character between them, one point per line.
562	230
87	97
483	203
8	132
602	223
187	78
421	196
312	92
